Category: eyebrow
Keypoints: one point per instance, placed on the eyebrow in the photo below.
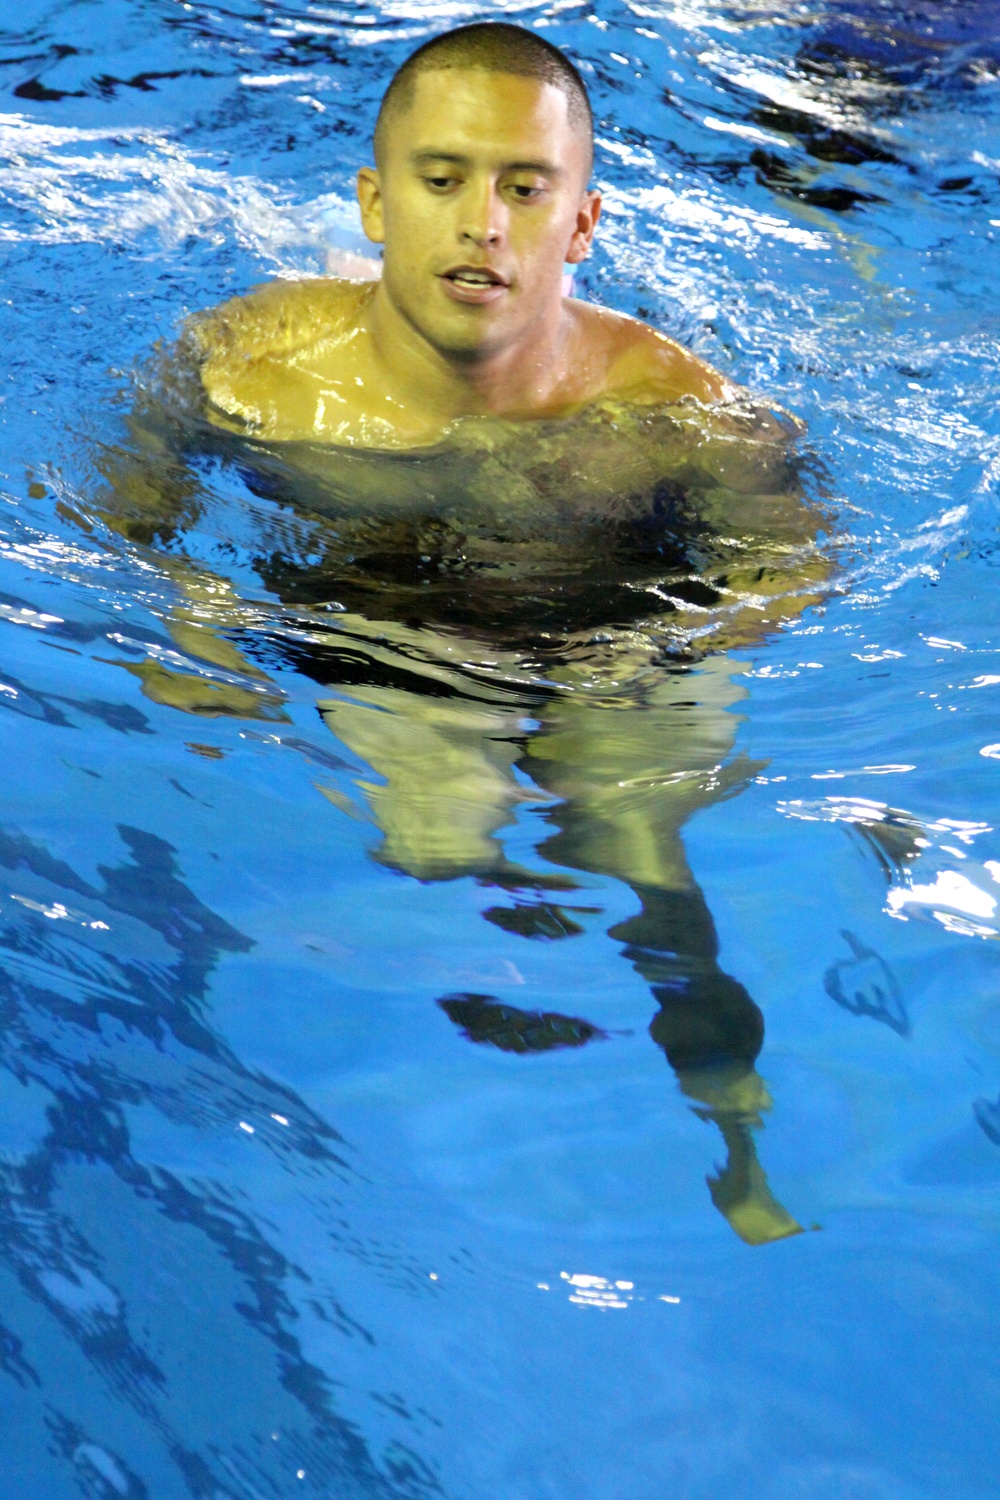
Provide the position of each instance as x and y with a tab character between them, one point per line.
426	158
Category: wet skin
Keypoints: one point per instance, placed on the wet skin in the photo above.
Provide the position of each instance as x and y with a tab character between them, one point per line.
479	200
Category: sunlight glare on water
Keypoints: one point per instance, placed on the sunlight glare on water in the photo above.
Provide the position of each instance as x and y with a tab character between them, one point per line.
338	1159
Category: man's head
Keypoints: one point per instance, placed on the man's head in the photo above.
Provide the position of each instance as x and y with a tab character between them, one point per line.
490	47
484	146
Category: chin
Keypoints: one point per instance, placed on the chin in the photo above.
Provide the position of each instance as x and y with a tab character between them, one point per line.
477	339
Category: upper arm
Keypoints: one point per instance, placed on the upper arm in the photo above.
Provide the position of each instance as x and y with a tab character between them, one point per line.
664	373
675	372
745	443
238	346
270	319
650	369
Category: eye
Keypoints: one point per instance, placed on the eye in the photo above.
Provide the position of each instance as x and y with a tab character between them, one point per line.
526	192
440	184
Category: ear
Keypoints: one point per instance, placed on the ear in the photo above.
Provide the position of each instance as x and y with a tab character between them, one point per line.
587	215
369	190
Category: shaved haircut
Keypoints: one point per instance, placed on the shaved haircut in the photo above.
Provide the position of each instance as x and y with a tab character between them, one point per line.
490	47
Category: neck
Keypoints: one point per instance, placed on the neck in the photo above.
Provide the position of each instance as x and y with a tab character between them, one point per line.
516	380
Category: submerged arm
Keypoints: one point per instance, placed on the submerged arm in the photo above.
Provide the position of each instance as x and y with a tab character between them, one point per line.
759	530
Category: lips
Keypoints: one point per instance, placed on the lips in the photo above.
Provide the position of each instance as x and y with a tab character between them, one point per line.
475	285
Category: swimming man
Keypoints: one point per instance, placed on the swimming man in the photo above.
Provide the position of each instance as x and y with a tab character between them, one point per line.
479	197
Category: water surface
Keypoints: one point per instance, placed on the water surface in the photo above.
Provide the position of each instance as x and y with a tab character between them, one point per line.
484	1023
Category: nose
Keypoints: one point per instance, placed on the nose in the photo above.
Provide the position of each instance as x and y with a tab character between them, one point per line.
484	238
481	220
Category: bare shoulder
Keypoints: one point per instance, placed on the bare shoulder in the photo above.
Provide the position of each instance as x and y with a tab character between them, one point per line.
632	363
276	318
642	366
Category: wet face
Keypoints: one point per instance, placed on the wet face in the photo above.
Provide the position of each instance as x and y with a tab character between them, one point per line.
480	198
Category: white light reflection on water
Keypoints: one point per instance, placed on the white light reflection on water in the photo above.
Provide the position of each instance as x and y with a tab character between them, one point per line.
586	1290
961	900
152	184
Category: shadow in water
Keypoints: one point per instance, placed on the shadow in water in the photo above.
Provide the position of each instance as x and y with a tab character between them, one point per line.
987	1113
866	986
482	1018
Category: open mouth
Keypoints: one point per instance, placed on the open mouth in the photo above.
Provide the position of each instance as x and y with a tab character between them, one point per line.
474	276
474	284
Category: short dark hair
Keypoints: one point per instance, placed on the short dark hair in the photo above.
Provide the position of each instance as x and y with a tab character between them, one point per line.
492	47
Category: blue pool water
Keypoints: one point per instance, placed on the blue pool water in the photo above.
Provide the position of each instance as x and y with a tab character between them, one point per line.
276	1222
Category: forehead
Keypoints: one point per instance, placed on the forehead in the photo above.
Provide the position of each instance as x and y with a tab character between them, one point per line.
489	117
